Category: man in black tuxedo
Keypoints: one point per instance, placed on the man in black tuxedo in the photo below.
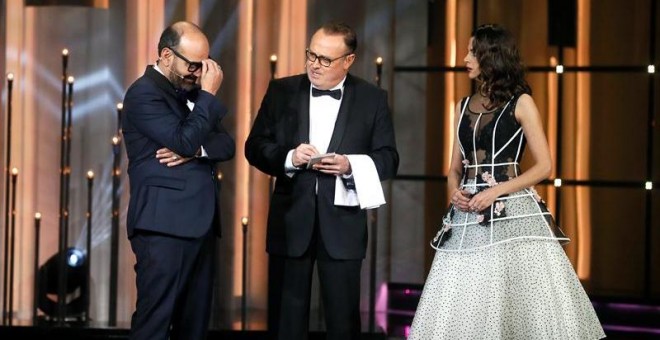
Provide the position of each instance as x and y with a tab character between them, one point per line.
173	140
325	111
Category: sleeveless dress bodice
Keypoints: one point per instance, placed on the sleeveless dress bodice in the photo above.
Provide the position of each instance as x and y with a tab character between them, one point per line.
492	145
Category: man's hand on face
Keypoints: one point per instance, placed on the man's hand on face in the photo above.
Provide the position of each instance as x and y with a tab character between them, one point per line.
211	77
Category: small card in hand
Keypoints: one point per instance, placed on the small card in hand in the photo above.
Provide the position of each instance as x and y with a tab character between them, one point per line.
317	158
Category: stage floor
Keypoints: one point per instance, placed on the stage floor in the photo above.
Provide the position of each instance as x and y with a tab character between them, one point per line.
85	333
621	321
220	329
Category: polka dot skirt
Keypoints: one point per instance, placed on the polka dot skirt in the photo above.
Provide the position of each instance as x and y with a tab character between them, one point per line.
520	289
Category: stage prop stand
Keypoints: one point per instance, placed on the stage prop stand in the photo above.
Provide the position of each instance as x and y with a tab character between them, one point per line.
273	66
35	293
273	69
61	277
374	236
90	187
379	70
120	108
5	291
244	222
12	250
67	159
114	237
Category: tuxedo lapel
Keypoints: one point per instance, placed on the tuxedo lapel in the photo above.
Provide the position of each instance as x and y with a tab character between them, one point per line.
167	87
302	102
342	116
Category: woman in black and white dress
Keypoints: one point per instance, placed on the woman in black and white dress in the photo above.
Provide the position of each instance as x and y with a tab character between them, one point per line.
500	271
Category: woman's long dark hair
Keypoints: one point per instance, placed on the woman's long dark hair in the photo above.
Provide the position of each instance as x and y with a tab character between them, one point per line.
502	74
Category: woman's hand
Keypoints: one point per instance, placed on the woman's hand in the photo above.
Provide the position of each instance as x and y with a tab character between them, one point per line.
483	200
460	199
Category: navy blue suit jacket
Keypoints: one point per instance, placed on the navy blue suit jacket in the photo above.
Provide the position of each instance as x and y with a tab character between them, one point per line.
363	126
182	200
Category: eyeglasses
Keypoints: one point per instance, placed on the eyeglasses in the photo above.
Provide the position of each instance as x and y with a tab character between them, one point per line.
192	65
324	61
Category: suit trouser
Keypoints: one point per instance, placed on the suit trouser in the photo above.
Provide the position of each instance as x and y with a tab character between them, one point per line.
340	292
174	279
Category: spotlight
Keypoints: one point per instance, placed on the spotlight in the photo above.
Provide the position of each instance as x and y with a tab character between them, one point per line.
76	285
75	257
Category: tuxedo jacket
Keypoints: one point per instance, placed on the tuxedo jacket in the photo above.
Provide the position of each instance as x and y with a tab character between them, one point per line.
182	200
363	126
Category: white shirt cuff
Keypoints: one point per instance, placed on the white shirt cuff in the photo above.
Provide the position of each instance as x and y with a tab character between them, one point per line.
289	168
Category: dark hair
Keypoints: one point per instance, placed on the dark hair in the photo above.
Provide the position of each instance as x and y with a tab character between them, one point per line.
502	73
171	36
340	28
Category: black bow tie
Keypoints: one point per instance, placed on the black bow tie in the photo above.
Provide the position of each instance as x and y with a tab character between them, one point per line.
332	93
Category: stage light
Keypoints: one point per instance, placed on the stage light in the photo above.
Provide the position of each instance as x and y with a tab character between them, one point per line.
651	69
75	257
76	285
559	69
648	185
557	182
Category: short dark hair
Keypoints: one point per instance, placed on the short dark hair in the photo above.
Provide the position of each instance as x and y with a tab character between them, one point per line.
171	36
340	28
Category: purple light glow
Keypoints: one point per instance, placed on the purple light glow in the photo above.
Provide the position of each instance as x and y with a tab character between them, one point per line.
630	329
633	307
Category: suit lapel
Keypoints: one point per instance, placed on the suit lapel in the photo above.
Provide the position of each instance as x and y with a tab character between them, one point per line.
302	108
342	116
167	87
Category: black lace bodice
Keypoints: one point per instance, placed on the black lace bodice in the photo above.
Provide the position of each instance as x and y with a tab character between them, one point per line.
491	142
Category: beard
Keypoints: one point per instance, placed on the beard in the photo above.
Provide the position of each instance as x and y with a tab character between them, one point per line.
187	83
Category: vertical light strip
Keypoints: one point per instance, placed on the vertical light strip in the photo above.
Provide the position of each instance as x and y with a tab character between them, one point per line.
243	123
582	141
284	42
144	24
288	43
292	38
25	158
450	78
192	11
101	4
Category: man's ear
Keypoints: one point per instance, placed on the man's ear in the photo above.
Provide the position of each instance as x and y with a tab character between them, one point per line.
348	61
165	57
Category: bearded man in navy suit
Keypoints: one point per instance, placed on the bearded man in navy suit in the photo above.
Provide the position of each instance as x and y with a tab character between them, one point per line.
174	139
326	110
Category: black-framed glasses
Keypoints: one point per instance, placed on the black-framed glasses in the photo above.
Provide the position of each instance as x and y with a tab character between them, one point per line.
192	65
324	61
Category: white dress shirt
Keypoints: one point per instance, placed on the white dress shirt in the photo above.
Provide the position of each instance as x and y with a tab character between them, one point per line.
323	111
